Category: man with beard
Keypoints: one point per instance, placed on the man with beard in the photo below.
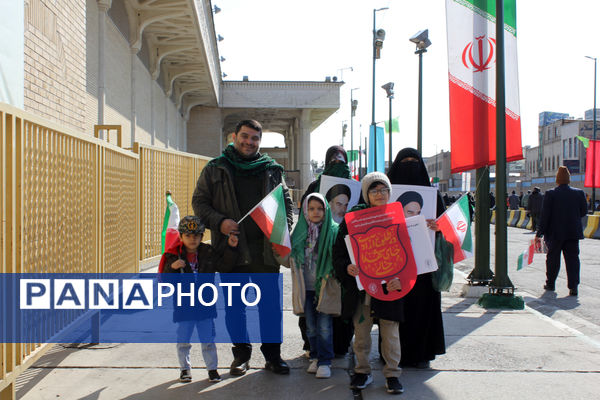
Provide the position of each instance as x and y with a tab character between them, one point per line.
229	187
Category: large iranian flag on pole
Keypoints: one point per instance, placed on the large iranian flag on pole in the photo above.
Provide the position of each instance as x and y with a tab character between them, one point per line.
271	218
592	164
455	224
471	26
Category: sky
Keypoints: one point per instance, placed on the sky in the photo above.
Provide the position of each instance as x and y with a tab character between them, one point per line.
307	40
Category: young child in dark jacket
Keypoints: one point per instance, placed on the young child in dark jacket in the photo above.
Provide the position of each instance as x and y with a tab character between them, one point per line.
190	255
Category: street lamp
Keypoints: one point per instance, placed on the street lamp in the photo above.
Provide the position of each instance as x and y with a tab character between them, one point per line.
353	106
421	39
341	70
594	138
389	90
378	38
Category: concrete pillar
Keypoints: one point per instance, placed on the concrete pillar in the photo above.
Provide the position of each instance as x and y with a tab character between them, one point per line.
103	6
185	121
304	149
133	51
167	133
152	123
296	143
288	145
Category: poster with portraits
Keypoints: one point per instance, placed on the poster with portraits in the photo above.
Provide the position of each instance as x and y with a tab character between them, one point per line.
422	248
417	200
341	194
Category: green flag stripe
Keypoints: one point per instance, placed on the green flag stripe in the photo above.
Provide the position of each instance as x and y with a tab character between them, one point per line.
467	244
163	234
520	262
352	155
584	140
279	224
487	9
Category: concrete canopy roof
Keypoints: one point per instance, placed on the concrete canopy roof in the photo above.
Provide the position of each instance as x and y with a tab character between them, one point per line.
182	43
278	105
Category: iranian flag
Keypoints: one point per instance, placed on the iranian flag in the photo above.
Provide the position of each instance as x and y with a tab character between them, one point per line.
526	257
455	224
592	164
353	164
471	26
270	216
170	224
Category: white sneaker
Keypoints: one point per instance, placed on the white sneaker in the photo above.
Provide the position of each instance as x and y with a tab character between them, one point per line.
323	372
312	367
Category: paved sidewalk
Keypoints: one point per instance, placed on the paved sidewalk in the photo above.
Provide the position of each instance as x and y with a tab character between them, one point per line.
491	354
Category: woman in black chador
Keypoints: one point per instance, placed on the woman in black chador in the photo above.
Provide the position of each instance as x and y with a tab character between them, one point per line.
422	332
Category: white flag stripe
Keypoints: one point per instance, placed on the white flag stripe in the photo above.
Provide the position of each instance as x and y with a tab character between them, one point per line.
459	39
269	205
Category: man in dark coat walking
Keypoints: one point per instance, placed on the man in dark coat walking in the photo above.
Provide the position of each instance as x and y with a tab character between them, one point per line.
561	227
534	206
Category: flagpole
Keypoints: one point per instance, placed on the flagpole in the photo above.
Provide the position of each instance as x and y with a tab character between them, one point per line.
501	290
257	204
501	280
482	274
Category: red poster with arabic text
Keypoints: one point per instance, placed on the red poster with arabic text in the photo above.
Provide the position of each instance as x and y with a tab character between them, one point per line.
382	249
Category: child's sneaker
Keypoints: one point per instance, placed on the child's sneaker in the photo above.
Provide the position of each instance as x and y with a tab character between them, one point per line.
323	372
185	376
393	386
312	368
213	376
361	381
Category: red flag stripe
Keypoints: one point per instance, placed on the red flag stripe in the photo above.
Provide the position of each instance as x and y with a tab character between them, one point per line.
592	164
473	131
263	221
450	235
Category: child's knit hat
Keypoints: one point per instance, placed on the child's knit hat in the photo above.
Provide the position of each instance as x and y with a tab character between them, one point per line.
369	179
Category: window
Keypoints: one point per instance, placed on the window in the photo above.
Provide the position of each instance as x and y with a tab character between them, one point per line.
565	148
553	167
570	148
576	145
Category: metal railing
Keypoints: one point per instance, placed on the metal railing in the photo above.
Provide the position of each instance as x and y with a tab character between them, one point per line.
162	170
72	203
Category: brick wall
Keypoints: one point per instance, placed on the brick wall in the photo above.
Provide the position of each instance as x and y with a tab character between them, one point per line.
55	60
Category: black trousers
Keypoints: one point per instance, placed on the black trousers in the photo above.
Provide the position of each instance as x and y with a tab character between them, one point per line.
570	251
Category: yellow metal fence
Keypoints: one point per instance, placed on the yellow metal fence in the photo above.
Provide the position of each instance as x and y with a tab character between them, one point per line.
73	203
163	170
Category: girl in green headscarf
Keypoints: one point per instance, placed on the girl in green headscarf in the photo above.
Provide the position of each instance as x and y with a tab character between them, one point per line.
313	280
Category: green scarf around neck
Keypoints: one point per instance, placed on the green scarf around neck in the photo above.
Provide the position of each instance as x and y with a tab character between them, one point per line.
339	170
246	166
327	236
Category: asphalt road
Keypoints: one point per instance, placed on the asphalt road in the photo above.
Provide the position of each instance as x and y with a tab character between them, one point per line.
582	312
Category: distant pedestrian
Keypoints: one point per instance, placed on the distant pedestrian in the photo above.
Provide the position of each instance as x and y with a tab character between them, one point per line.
534	207
513	201
561	227
525	199
492	200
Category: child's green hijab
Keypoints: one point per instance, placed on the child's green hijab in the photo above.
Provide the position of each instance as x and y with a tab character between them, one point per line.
327	236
